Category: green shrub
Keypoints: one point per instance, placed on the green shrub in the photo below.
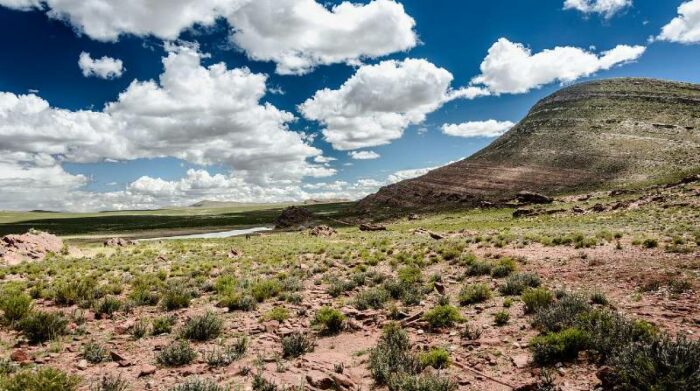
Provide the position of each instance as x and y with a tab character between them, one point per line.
410	275
203	327
198	385
560	346
501	318
424	382
598	297
437	358
517	283
110	383
609	331
662	364
74	290
265	289
95	353
475	293
562	314
330	320
15	305
229	354
238	301
176	296
650	243
371	298
536	299
262	384
279	314
178	353
142	295
442	316
107	306
503	268
480	268
297	344
40	326
42	379
392	355
162	325
140	329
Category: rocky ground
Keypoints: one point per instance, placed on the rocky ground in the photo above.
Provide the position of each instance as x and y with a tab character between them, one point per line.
641	258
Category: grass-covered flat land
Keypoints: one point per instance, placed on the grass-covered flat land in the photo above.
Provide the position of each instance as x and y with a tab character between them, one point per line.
590	291
153	223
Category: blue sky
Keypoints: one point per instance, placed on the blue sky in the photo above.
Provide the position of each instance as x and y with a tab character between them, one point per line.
40	53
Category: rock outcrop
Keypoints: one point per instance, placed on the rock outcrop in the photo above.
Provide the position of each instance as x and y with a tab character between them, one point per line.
33	245
293	217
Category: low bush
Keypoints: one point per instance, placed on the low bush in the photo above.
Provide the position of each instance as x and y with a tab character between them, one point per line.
562	314
297	344
238	301
371	298
178	353
176	296
227	355
110	383
599	298
40	326
162	325
517	283
392	355
422	382
475	293
95	353
41	379
536	299
15	305
442	316
265	289
559	346
501	318
107	306
480	268
197	384
279	314
650	243
437	358
330	320
661	364
203	327
503	268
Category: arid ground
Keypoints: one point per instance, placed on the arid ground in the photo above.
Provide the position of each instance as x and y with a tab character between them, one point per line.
559	299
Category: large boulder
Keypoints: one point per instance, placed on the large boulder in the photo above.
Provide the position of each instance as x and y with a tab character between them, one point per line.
33	245
294	216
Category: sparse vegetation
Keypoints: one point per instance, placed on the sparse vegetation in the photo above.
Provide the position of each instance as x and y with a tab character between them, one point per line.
202	327
177	353
330	320
297	344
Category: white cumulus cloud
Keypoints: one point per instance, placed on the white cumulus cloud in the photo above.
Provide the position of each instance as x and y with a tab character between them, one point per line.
490	128
106	20
685	28
380	101
364	155
512	68
104	68
205	115
301	34
297	35
608	8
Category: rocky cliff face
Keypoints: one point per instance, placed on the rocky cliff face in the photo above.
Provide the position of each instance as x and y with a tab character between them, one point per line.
602	133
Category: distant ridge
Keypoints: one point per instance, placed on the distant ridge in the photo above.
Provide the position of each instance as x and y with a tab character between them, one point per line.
616	132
